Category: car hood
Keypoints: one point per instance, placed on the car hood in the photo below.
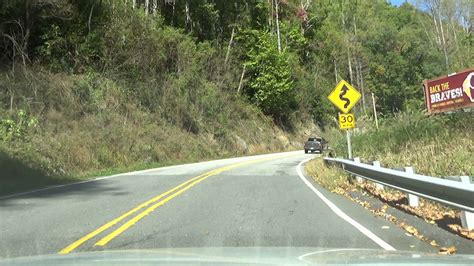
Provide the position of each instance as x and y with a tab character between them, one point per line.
235	255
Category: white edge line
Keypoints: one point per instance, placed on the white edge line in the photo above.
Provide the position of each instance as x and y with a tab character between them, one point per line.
329	251
340	213
139	172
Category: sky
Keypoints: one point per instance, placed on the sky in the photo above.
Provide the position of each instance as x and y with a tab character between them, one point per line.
397	2
400	2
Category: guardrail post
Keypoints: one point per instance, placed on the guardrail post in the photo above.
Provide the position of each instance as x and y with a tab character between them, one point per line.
358	178
377	185
413	200
467	218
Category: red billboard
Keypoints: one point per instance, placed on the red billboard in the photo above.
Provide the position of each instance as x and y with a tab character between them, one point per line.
451	92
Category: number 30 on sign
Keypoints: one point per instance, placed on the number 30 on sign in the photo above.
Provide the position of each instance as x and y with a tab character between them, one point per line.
346	121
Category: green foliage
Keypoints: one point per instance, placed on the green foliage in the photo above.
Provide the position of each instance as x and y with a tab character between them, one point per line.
397	55
382	43
270	84
17	127
116	85
294	39
436	145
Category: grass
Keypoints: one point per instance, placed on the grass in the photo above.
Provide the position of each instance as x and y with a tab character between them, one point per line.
330	177
439	145
91	126
142	95
337	181
77	154
18	176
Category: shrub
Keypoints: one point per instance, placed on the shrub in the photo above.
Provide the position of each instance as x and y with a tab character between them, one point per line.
17	127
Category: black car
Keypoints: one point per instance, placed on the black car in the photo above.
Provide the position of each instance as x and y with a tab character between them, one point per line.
315	144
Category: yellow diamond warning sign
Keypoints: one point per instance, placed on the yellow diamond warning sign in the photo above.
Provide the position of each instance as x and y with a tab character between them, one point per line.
346	121
344	96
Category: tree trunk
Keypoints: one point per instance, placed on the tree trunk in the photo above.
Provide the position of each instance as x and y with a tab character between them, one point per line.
10	89
241	82
361	85
436	27
444	42
154	7
172	15
435	9
134	3
229	46
189	23
23	49
335	71
16	47
455	35
90	18
13	58
456	43
427	34
270	13
278	26
349	64
147	5
357	73
375	112
346	38
11	100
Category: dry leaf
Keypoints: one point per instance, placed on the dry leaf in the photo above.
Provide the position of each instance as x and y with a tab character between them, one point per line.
410	229
470	234
431	212
447	250
339	191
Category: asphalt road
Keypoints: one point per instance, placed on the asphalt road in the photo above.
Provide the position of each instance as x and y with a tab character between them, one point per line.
242	202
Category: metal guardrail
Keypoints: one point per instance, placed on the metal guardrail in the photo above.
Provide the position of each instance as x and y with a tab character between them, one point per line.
453	193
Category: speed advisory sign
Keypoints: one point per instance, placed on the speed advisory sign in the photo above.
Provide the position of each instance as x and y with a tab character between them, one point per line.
346	121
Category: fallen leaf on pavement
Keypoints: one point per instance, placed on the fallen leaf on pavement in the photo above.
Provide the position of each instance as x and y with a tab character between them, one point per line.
339	191
410	229
447	250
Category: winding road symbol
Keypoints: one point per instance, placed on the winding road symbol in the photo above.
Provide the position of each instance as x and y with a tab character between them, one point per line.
344	90
344	96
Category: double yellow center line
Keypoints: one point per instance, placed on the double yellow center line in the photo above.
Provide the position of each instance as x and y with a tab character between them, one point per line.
155	203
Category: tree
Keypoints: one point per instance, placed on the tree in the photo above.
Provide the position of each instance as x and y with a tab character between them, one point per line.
270	85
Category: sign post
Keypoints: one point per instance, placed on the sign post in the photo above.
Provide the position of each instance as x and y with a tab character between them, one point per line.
349	144
344	97
375	112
